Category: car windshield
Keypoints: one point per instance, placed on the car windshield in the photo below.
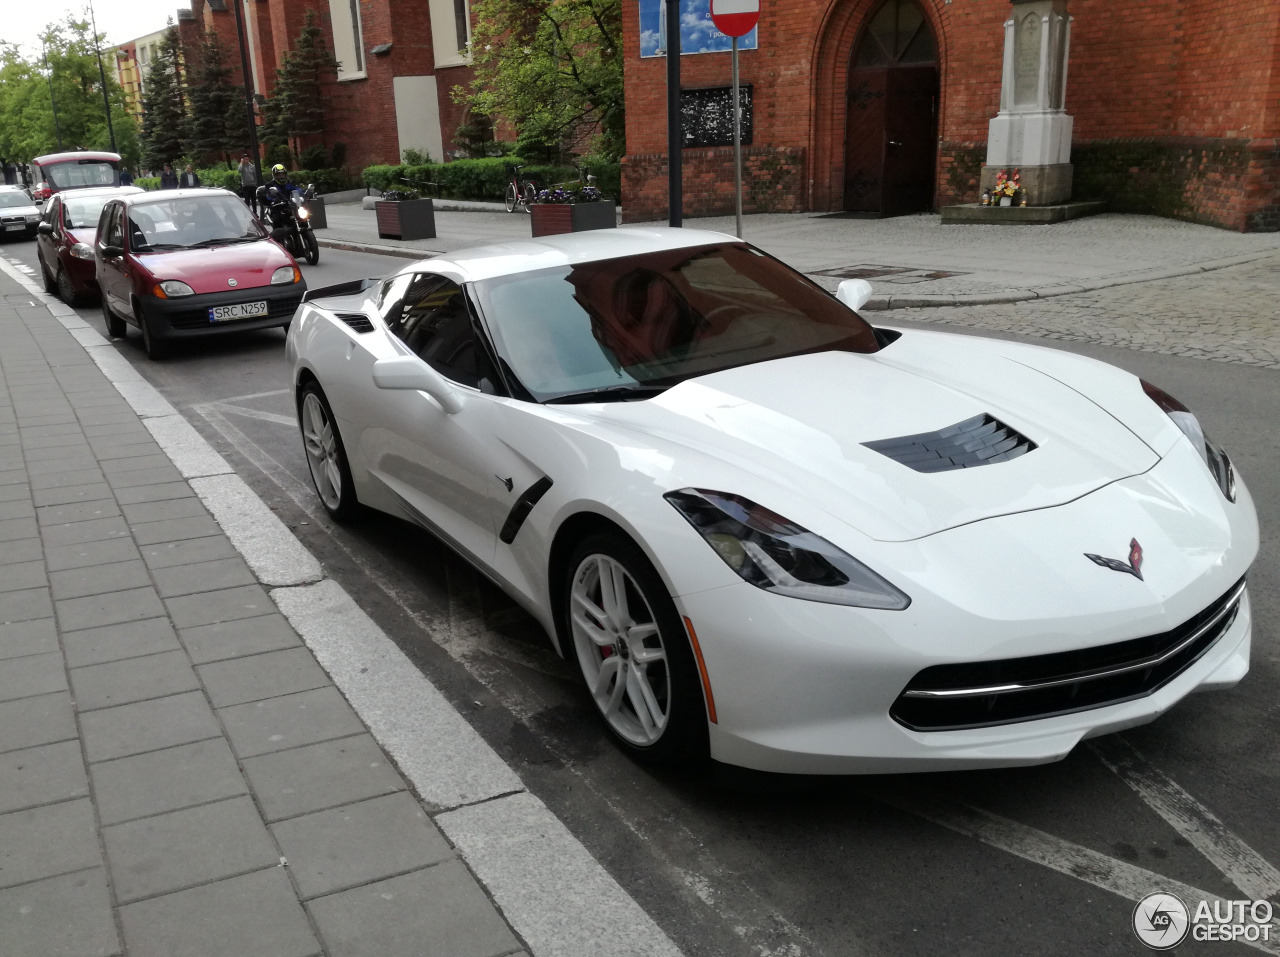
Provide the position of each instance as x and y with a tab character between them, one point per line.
629	327
9	200
191	221
82	212
78	173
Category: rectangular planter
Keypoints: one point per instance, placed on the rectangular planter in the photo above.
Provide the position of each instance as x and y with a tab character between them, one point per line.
406	219
316	208
548	219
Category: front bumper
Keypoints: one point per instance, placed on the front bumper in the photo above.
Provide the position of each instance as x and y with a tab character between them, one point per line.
188	316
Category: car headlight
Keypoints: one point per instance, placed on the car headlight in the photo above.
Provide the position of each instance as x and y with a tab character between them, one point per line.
1214	458
172	289
778	555
82	251
285	274
33	217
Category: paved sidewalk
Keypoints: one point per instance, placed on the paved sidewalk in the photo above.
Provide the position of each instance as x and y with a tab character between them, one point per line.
207	749
911	261
178	776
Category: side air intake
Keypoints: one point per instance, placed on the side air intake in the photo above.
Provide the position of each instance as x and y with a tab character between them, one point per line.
357	321
981	440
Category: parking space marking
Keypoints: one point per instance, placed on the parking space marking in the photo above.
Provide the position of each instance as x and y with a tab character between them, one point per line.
1125	880
1235	860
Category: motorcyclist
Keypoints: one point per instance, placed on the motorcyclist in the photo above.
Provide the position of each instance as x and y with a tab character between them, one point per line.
280	183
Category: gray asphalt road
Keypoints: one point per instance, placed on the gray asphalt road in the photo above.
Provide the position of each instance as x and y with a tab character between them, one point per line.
1038	860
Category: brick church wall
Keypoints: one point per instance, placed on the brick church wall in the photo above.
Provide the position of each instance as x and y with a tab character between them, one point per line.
1176	106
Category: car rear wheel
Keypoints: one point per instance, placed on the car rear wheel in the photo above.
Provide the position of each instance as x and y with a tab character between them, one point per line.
115	325
326	455
66	289
633	651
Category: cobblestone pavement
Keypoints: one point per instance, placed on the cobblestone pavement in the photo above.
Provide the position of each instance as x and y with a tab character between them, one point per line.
1228	315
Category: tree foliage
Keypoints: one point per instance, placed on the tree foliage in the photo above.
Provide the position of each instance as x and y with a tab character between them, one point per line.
553	68
27	127
164	107
296	106
217	122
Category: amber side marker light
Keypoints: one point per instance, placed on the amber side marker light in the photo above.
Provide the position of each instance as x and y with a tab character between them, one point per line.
702	670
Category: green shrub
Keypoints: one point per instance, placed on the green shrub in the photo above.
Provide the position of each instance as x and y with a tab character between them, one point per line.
486	179
220	176
380	177
324	180
147	182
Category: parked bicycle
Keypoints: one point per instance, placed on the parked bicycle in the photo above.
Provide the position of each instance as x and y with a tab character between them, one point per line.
519	192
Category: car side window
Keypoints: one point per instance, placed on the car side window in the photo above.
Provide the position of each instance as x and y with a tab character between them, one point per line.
114	232
391	298
435	322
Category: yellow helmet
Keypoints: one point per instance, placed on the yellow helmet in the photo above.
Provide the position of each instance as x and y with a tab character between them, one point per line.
278	173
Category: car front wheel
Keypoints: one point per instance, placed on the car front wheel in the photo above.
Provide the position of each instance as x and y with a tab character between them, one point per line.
633	651
115	325
326	455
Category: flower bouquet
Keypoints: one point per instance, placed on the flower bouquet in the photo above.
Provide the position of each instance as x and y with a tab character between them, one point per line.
1007	187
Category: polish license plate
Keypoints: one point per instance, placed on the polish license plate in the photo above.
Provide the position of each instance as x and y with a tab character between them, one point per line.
242	310
14	227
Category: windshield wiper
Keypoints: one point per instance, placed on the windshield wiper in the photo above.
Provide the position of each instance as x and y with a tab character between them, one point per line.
223	241
152	247
613	393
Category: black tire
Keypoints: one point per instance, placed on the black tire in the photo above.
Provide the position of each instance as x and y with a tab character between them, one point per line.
156	348
66	291
530	193
684	736
50	284
341	503
312	247
511	198
116	327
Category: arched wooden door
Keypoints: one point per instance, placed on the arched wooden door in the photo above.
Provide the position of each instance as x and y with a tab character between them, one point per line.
891	136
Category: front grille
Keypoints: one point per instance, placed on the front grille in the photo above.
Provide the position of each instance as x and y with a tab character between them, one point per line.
15	221
199	318
987	693
980	440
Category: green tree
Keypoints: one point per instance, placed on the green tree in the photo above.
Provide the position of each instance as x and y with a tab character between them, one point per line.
553	68
27	127
164	108
217	122
296	107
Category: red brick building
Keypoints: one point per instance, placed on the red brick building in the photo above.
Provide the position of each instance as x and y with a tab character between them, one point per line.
400	59
1176	108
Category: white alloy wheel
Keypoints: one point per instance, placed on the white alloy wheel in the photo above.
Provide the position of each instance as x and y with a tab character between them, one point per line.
620	649
320	441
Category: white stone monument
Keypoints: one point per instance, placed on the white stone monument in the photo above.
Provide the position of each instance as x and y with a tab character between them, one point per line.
1032	132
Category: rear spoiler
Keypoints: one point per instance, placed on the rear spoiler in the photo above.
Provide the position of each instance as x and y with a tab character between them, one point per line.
341	289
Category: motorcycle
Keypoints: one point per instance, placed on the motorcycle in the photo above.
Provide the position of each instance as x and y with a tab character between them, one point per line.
290	221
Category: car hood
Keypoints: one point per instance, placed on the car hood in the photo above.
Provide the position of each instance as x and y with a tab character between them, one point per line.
207	270
801	422
84	235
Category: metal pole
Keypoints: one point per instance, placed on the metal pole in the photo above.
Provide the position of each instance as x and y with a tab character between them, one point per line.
106	102
675	131
248	92
737	143
53	101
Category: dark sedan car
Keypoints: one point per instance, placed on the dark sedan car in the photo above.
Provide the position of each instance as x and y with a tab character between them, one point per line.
65	244
180	264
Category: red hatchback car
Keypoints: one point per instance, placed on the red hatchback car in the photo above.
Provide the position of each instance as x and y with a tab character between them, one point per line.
185	263
64	241
83	169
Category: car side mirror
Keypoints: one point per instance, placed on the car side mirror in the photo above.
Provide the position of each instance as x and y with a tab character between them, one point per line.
410	372
854	293
45	229
111	252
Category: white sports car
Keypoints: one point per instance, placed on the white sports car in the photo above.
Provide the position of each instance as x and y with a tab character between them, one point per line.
769	532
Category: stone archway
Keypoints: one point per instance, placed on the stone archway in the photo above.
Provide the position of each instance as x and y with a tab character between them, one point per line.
840	60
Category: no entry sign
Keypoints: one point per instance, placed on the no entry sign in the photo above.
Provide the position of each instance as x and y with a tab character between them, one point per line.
735	18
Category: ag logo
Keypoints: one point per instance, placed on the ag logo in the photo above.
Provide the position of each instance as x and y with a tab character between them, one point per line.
1161	921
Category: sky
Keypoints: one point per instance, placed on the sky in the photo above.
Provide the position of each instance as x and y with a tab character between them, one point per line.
121	20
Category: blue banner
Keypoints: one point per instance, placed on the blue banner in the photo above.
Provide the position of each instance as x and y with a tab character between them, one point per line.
697	33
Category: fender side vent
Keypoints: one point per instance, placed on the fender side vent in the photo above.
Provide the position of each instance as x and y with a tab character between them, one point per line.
981	440
356	320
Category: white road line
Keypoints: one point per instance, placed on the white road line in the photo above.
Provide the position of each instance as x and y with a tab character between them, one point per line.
538	871
1237	861
1126	880
248	413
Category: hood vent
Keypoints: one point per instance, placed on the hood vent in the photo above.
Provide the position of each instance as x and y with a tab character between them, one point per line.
357	321
981	440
